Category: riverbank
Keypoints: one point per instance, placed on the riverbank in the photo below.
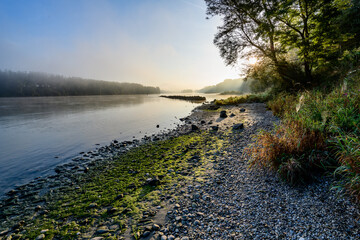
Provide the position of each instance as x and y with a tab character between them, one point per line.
192	182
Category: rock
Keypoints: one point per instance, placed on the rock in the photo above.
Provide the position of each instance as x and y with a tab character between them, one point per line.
18	225
146	234
194	127
120	196
152	181
177	206
242	110
223	114
163	237
185	238
238	126
112	210
232	115
97	238
202	122
102	229
16	236
126	210
3	233
155	227
41	236
11	192
157	126
38	208
215	128
178	218
171	237
44	231
92	205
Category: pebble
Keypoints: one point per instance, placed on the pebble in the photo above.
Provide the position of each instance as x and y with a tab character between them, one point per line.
41	236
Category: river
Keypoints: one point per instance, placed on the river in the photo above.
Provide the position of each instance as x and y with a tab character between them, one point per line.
39	133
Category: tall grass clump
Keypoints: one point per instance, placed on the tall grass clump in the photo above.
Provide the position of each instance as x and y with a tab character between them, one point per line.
319	131
292	150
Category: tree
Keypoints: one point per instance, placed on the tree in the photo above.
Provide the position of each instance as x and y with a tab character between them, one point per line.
271	29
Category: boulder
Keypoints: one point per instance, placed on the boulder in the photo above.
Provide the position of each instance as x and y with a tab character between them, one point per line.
238	126
214	128
223	114
194	127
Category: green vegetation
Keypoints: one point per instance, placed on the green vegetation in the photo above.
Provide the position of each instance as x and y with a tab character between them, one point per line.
299	44
251	98
238	85
319	132
117	194
308	58
30	84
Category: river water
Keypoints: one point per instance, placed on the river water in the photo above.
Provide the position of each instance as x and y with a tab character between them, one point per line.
37	134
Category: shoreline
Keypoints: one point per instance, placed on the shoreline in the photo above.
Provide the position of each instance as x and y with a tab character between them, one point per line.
30	192
200	187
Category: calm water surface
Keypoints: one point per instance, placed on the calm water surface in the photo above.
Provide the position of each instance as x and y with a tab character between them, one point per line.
37	134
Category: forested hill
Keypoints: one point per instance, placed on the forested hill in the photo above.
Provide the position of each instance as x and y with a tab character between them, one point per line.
238	85
27	84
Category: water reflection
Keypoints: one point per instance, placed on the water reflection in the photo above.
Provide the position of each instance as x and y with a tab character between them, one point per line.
36	134
36	107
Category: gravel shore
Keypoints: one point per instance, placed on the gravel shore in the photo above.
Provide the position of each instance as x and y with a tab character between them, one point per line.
228	201
236	202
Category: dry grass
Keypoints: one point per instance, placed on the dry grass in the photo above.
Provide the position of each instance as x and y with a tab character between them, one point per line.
291	149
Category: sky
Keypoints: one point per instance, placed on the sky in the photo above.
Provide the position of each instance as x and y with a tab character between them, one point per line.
165	43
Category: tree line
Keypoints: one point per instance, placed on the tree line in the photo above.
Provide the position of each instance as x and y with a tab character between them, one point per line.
300	44
26	84
229	85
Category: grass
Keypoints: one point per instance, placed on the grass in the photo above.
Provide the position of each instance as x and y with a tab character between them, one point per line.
319	132
113	194
251	98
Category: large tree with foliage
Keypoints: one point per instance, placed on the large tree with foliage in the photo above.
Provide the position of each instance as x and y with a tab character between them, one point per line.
273	29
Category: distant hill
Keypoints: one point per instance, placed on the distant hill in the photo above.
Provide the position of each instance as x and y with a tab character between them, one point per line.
228	85
28	84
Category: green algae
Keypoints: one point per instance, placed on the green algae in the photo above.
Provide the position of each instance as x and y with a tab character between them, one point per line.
114	193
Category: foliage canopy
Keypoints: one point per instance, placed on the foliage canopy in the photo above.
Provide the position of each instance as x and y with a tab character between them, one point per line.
299	41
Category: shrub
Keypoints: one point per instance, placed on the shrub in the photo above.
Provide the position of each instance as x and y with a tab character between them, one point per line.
291	149
282	104
347	149
319	131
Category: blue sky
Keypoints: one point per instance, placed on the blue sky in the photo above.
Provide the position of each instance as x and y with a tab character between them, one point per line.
167	43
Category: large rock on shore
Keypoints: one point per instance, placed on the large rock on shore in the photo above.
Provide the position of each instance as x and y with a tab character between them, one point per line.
223	114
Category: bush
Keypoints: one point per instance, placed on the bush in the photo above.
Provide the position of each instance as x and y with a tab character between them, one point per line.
292	150
319	131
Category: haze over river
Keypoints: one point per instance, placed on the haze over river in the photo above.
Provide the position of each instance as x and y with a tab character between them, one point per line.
39	133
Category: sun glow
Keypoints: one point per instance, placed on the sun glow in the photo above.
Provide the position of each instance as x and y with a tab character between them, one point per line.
253	60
